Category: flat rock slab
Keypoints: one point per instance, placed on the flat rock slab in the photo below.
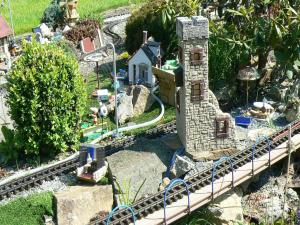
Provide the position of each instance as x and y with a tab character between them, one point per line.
147	159
79	204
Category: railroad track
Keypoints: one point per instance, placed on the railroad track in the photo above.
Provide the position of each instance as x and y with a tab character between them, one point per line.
36	178
155	202
108	30
29	181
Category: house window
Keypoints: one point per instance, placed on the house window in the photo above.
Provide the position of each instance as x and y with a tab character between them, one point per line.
222	127
180	55
178	101
197	93
196	56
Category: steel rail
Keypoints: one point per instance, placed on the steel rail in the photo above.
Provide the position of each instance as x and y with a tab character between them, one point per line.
117	39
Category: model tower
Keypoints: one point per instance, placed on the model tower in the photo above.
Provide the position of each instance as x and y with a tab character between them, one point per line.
201	125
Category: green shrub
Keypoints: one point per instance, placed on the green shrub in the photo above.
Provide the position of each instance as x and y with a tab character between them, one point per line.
53	15
159	19
47	97
12	145
148	18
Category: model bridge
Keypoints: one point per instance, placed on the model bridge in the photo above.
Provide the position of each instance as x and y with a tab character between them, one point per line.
184	196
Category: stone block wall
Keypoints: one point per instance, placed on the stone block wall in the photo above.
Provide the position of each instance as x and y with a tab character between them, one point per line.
196	121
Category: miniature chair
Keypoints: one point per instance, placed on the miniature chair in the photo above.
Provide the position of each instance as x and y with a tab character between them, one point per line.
87	45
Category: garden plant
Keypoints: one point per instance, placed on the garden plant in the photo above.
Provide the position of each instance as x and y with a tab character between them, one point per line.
46	95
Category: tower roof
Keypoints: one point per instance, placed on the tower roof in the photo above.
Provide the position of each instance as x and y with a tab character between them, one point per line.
5	29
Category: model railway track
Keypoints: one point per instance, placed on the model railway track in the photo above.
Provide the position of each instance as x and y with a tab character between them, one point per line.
35	179
108	30
155	202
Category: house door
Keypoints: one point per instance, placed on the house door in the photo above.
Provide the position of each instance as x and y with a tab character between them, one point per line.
143	72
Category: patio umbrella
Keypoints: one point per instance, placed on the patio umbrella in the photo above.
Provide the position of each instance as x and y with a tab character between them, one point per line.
248	74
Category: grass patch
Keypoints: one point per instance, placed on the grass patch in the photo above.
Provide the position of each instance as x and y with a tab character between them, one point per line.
28	13
27	211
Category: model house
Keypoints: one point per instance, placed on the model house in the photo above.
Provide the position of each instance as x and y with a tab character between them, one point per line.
140	64
5	33
202	127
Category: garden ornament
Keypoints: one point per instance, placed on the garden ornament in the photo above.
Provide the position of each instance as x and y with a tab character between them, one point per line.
94	115
248	74
102	110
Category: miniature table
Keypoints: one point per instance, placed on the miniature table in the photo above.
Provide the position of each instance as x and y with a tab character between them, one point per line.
95	57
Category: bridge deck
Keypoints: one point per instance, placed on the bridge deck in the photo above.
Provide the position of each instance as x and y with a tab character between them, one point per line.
202	196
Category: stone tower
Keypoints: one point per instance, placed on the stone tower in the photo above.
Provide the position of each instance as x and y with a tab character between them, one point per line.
201	125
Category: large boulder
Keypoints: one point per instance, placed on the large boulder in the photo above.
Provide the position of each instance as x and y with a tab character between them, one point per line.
198	167
254	134
268	199
182	165
78	204
292	114
131	168
125	109
228	207
142	99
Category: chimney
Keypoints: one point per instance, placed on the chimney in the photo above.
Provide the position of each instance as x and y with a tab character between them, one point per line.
145	36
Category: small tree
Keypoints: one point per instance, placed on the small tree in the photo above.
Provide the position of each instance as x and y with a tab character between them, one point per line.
53	15
46	96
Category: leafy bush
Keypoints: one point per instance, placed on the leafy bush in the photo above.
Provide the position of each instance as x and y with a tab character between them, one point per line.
83	29
12	146
225	57
46	98
158	18
53	15
68	47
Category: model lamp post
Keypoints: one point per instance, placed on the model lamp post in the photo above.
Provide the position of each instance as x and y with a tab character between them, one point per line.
115	88
248	74
95	57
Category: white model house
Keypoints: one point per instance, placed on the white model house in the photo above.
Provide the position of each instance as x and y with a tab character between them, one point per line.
5	33
140	64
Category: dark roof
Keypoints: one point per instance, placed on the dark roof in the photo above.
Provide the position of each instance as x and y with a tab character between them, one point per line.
5	30
151	50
